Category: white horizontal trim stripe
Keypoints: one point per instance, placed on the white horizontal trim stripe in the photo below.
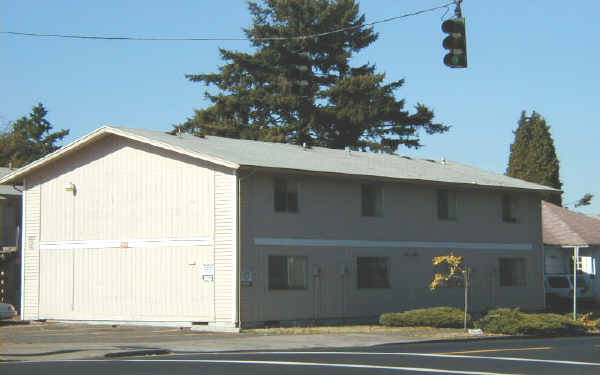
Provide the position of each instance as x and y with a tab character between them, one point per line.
131	243
271	241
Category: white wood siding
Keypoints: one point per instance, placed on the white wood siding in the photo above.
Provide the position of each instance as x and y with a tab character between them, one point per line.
127	190
140	284
31	239
225	245
158	207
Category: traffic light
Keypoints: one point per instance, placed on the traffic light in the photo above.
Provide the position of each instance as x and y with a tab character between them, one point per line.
456	42
303	74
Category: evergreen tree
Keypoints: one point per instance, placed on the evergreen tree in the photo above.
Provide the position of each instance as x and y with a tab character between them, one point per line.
29	138
303	89
533	156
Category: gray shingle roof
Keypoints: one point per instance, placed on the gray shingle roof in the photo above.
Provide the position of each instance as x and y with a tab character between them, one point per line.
318	159
565	227
6	189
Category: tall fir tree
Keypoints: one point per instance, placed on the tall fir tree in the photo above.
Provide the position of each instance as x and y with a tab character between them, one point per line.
533	156
303	89
29	138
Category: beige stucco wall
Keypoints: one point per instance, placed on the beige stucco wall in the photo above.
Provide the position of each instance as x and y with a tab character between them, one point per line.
330	209
147	236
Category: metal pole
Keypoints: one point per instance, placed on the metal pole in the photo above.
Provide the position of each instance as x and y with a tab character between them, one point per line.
466	295
575	259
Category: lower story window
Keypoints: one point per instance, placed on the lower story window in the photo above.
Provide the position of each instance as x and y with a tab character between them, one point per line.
512	272
373	272
287	272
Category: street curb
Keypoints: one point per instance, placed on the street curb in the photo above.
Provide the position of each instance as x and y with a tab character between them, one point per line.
65	351
471	339
138	353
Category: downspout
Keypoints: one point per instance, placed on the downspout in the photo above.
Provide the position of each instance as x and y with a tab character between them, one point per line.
238	321
23	245
239	179
236	254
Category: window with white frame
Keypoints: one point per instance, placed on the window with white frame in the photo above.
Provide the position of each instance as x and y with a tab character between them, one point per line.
512	272
372	200
287	272
285	194
446	204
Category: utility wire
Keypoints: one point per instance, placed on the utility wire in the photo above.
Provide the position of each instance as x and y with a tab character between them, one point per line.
301	37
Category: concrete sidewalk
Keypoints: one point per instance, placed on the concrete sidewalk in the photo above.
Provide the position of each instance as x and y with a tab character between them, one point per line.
57	341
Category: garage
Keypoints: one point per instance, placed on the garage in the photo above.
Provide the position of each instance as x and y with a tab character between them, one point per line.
123	284
119	229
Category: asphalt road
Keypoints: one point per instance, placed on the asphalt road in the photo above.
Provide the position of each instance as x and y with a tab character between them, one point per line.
572	356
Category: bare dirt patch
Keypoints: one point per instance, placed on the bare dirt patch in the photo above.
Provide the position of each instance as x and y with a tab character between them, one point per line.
407	332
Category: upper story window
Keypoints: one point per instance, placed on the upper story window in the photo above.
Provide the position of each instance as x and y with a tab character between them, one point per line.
286	194
446	205
508	208
372	200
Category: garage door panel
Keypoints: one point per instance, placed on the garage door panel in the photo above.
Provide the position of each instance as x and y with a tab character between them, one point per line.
141	284
56	283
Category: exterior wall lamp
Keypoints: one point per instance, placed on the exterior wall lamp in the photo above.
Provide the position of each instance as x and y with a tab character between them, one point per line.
70	187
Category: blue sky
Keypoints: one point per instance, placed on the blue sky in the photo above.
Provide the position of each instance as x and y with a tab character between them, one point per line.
537	55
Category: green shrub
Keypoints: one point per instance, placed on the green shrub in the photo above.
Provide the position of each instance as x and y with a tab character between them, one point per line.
515	322
441	317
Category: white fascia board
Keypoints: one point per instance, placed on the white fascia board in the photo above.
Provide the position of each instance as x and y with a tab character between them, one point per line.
19	173
33	165
167	146
269	241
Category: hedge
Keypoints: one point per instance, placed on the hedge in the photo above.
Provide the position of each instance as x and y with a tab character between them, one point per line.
515	322
441	317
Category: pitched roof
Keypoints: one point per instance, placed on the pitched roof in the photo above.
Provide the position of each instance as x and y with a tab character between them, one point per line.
236	153
564	227
6	189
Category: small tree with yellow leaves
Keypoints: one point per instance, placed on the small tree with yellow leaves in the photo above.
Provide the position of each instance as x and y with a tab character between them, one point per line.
456	273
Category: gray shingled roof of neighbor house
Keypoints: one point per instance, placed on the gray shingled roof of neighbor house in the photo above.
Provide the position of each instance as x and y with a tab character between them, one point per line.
7	189
564	227
238	153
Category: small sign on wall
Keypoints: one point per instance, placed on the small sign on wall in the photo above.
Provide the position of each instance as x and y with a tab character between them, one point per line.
246	279
208	272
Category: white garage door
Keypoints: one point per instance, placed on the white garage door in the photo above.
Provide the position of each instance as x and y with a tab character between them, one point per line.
132	284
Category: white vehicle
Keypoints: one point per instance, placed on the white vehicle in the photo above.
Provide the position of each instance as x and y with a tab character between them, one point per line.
561	286
7	311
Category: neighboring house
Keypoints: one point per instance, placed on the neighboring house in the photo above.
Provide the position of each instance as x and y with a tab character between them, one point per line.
130	225
10	224
565	229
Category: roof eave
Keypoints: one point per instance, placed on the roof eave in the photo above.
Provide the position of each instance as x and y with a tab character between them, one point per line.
465	185
17	176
